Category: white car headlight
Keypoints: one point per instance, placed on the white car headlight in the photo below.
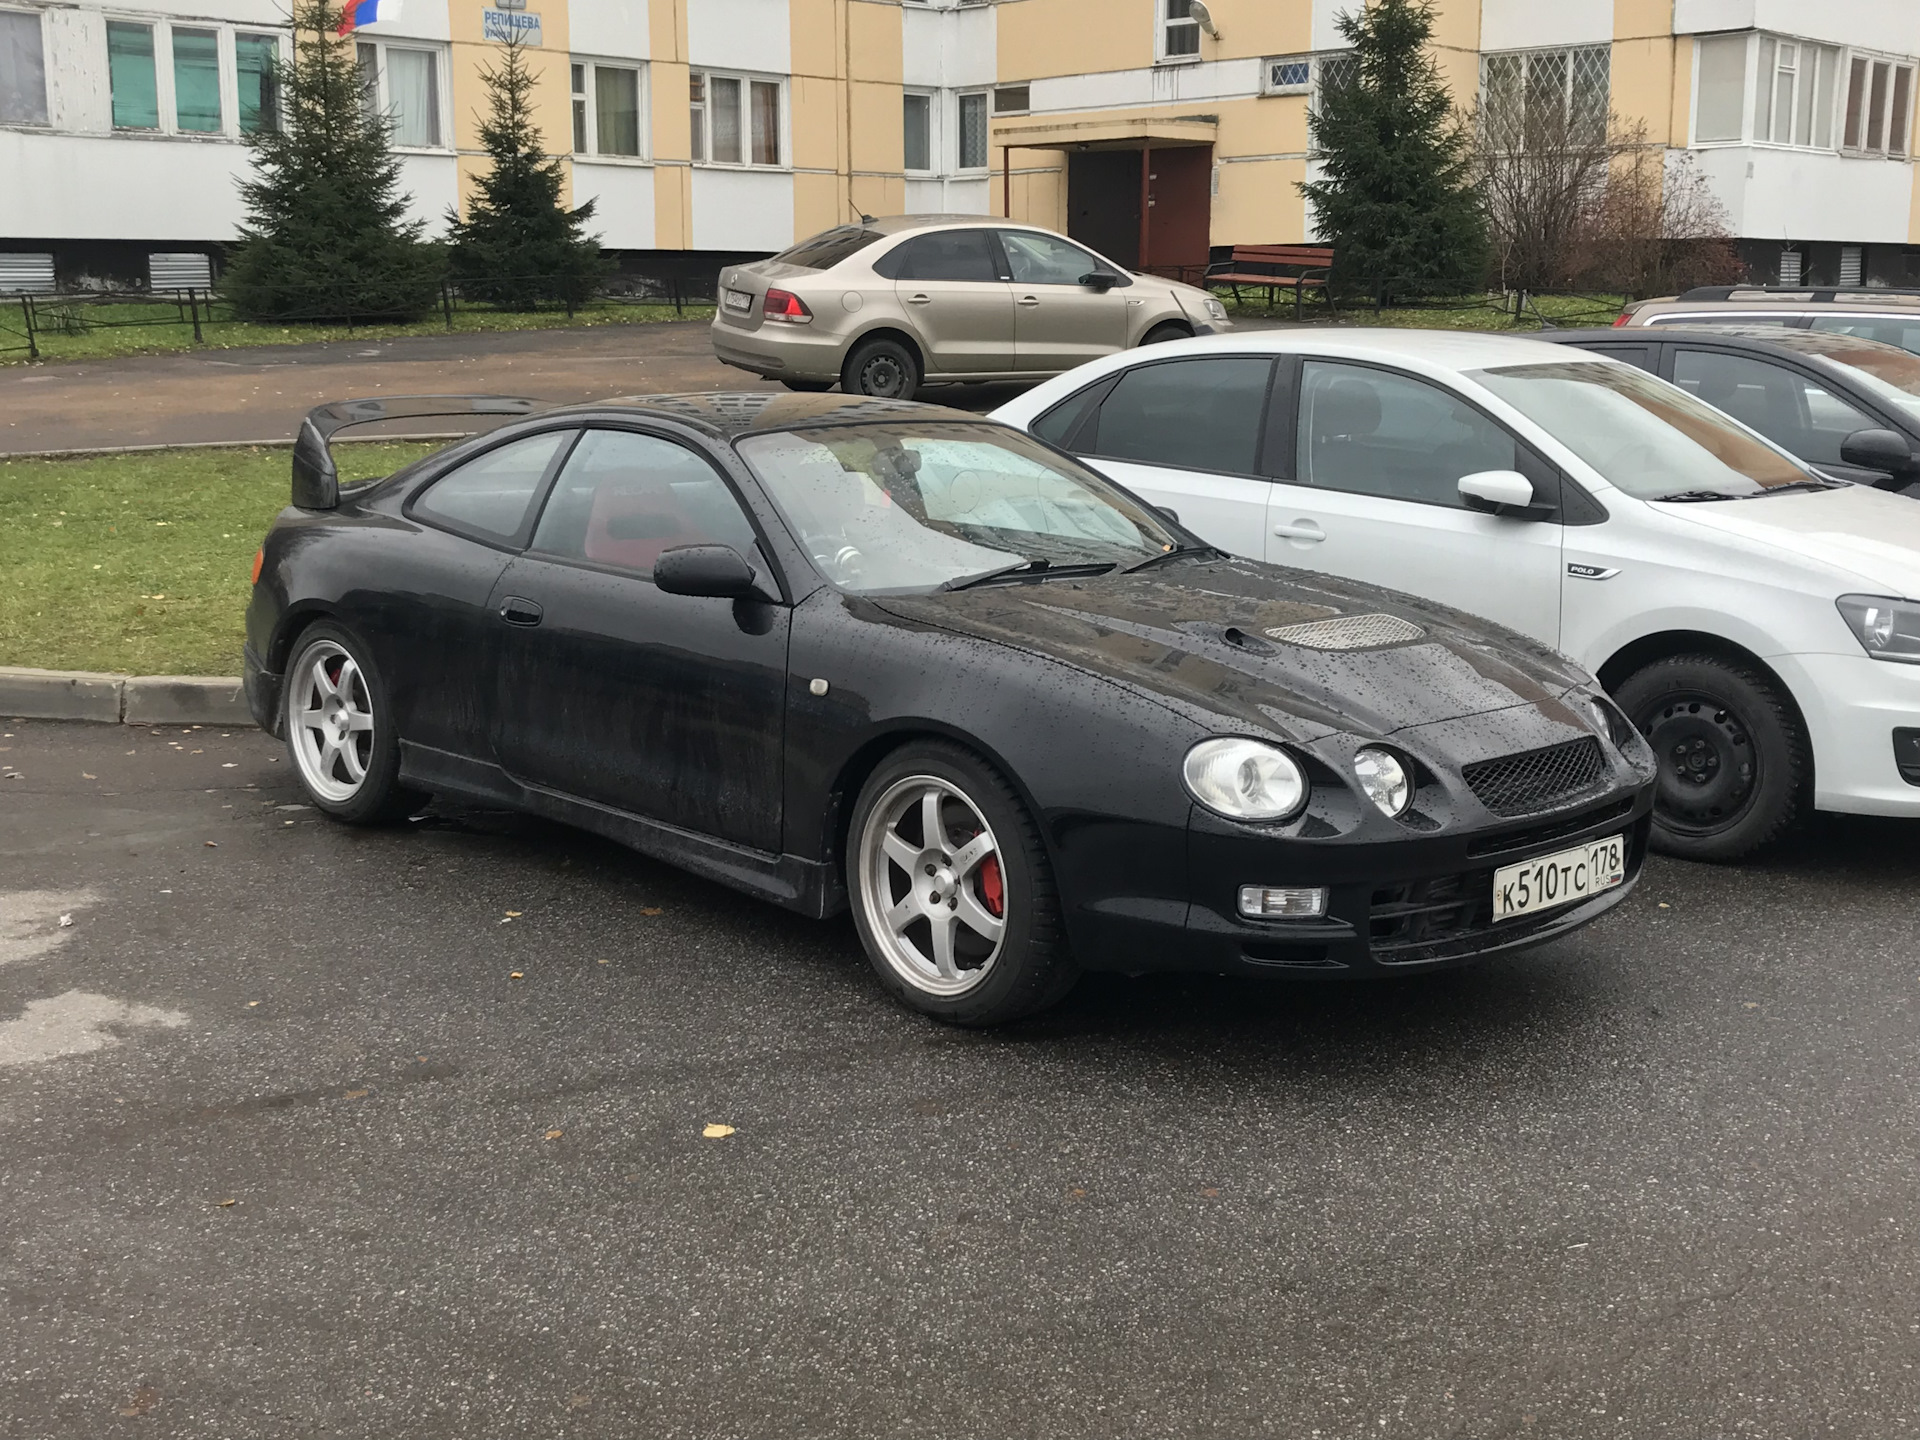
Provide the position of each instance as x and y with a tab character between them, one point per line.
1887	629
1383	779
1245	779
1215	310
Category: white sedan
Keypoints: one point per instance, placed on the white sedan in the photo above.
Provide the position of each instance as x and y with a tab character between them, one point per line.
1756	621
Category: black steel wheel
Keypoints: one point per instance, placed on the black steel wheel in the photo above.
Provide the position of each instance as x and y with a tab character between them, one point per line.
883	368
1166	330
1734	765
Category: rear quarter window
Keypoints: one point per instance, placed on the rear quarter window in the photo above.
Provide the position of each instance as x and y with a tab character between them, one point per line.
829	247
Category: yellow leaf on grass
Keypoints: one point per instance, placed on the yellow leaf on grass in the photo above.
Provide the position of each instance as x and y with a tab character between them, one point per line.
515	975
717	1132
355	1095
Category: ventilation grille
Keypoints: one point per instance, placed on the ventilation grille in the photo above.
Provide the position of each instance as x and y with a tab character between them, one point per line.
1349	632
1537	780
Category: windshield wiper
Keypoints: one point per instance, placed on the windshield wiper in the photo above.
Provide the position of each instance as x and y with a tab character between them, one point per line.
1179	552
1041	567
1690	496
1805	485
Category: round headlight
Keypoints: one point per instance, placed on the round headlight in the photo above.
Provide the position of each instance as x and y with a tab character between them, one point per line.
1384	779
1245	779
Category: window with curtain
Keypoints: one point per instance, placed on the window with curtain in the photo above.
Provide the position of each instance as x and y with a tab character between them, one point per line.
916	131
367	57
1793	93
1722	89
973	131
1179	31
616	110
766	122
130	76
579	95
196	79
736	120
723	111
413	96
697	114
255	58
23	69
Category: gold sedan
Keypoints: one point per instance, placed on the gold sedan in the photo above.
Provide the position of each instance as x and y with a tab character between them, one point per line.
885	306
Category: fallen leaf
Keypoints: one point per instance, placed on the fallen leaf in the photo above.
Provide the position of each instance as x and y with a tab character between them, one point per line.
1211	1193
1665	906
85	776
603	962
1751	1004
228	765
1078	1194
252	1003
515	914
651	910
516	975
717	1132
66	922
211	844
228	1204
356	1095
555	1134
146	1397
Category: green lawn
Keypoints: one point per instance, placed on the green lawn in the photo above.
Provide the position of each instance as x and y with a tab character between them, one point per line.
100	338
140	563
1466	312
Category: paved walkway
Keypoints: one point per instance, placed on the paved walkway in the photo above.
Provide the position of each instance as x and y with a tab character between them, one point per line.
261	393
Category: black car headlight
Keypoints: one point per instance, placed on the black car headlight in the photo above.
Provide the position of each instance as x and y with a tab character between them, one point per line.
1245	779
1887	629
1611	722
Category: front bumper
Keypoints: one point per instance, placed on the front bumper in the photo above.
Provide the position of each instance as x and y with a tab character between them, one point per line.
262	689
1852	705
1423	903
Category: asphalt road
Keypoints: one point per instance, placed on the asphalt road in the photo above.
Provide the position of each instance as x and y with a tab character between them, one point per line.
290	1151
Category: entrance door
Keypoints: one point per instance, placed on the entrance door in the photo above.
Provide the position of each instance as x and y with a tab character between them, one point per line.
1103	202
668	706
1179	210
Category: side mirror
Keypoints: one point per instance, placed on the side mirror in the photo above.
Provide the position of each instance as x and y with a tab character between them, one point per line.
1168	511
1100	279
1500	492
716	572
1880	450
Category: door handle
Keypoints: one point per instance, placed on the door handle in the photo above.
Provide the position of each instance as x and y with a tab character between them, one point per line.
516	611
919	299
1303	531
1029	300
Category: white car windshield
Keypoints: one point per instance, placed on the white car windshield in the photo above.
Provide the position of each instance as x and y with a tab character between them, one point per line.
902	508
1649	438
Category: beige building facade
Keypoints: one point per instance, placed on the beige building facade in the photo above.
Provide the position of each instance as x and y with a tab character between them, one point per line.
705	129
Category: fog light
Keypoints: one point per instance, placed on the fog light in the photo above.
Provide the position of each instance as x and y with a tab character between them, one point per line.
1282	902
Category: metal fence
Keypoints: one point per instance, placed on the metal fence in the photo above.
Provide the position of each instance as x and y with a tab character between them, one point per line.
1354	297
28	319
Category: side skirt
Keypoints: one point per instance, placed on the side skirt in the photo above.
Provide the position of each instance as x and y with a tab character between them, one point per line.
810	887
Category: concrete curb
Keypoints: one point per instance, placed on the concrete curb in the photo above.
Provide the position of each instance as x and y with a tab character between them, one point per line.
29	694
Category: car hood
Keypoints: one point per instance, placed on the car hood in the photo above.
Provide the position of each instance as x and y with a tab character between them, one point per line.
1199	636
1872	534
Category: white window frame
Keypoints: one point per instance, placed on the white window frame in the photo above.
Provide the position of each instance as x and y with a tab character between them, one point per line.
165	96
960	98
46	96
1806	73
1270	69
747	79
994	107
1163	27
443	121
934	117
1885	150
590	66
1569	61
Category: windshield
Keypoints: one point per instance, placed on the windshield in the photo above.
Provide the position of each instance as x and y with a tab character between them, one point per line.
1647	437
1892	376
900	508
829	247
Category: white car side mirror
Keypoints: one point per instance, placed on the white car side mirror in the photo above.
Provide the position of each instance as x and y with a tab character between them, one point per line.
1496	490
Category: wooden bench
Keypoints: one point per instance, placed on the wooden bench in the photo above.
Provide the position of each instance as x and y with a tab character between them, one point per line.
1276	267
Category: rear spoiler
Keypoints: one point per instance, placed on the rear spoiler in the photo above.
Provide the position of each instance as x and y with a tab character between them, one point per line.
316	484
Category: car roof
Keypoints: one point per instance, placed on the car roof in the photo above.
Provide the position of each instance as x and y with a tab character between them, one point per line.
901	224
729	414
1448	349
1832	345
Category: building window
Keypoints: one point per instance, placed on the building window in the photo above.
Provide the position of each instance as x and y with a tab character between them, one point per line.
136	96
1288	75
1720	89
606	109
1538	92
735	119
196	80
1013	100
1179	31
23	70
403	84
256	58
1331	70
916	131
1793	94
1851	257
1789	267
973	131
1879	106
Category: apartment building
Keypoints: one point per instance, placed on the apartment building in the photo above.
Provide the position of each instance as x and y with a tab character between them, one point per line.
706	129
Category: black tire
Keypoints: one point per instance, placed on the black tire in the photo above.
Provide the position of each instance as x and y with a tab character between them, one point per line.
1030	967
1735	769
808	387
1166	330
377	797
881	367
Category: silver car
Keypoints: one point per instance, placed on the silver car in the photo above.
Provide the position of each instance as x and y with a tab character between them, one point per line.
887	305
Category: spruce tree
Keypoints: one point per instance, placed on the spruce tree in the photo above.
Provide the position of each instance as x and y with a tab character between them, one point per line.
519	244
327	235
1398	203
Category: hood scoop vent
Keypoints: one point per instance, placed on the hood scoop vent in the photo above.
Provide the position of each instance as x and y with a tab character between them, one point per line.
1349	632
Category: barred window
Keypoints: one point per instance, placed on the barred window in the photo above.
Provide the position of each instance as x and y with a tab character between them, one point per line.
1536	92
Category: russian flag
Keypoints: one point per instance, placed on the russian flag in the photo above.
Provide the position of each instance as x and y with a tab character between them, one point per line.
355	13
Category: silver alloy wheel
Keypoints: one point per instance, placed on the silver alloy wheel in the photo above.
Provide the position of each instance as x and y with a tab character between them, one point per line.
330	717
930	876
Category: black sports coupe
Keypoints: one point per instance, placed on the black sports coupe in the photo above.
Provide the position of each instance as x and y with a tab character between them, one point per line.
843	652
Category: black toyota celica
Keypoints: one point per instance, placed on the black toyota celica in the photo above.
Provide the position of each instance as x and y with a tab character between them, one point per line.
852	653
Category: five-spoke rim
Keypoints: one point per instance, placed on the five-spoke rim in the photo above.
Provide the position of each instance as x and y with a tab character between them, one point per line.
934	892
330	715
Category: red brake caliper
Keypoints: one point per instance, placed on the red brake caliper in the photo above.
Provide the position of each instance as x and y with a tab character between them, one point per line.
991	890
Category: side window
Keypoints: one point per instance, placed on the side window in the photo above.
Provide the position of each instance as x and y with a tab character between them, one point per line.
1638	356
490	495
1372	432
1058	425
1037	259
949	255
1790	409
624	498
1196	414
1903	333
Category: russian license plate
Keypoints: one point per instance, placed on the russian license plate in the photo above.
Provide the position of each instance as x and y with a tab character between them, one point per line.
1559	879
738	301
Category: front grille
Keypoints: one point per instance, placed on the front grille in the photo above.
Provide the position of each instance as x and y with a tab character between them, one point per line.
1539	838
1536	780
1349	632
